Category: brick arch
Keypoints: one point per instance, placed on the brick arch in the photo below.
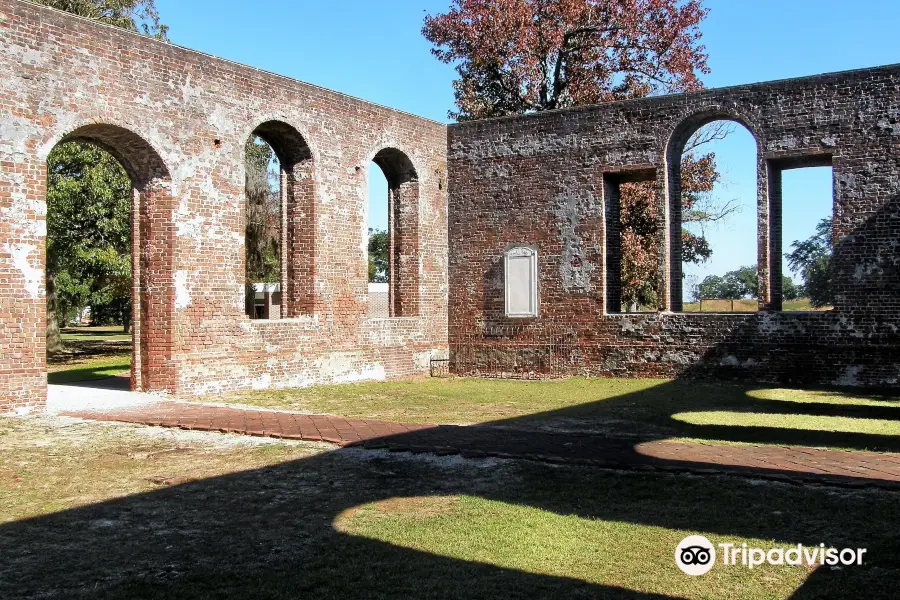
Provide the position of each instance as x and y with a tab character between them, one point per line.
299	209
686	127
403	227
153	251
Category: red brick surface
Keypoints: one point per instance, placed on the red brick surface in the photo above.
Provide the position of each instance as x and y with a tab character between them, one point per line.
178	121
550	180
775	462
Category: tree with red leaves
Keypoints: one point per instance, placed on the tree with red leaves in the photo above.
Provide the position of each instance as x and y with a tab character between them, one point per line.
521	56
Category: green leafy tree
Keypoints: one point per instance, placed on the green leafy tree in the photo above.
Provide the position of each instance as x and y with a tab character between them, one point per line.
523	56
378	256
88	234
263	226
710	287
789	289
87	187
135	15
813	259
740	283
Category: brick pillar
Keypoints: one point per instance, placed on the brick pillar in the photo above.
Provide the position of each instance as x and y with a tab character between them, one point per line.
404	228
670	216
23	309
136	372
300	241
769	231
157	293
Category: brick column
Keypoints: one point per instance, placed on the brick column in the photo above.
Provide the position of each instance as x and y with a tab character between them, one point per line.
669	200
23	308
300	244
404	228
157	293
769	240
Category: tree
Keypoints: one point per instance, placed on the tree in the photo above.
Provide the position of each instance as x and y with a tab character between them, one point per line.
518	56
378	256
789	289
740	283
93	268
710	287
263	200
88	233
813	258
521	56
135	15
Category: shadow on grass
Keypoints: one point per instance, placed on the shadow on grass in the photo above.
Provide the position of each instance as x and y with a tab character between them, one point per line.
269	533
94	372
95	332
647	415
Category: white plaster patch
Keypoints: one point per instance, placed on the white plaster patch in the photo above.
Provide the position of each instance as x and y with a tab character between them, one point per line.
422	360
14	135
342	367
263	382
220	119
33	276
182	294
850	377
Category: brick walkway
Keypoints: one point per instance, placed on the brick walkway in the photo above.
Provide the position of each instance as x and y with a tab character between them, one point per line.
786	463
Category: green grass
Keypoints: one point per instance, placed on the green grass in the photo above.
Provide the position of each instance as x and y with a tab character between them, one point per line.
91	370
781	421
750	305
95	334
643	409
605	552
90	353
90	511
453	400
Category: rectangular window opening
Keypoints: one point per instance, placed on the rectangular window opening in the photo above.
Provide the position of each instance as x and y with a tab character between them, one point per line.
806	236
632	242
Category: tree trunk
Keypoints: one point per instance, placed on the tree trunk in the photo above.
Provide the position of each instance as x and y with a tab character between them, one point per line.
54	340
126	319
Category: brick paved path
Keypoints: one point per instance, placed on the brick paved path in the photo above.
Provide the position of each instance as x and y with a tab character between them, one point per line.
788	463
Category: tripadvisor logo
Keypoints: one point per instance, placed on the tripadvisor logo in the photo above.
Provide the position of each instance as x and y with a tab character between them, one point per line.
696	555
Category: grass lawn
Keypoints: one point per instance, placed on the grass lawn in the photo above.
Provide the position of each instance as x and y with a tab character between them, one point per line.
744	305
90	353
91	511
643	409
89	370
106	333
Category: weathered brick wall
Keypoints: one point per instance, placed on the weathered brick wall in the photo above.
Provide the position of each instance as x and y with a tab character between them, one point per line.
550	180
178	120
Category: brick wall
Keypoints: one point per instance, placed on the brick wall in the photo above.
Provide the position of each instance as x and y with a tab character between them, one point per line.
178	121
551	180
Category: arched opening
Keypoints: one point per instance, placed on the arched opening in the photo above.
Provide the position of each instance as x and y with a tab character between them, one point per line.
714	245
279	223
394	253
109	261
378	257
719	193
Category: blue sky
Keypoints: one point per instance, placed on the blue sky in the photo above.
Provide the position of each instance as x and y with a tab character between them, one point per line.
375	50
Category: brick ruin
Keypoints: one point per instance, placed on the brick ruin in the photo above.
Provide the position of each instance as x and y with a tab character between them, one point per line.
550	182
178	121
544	186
